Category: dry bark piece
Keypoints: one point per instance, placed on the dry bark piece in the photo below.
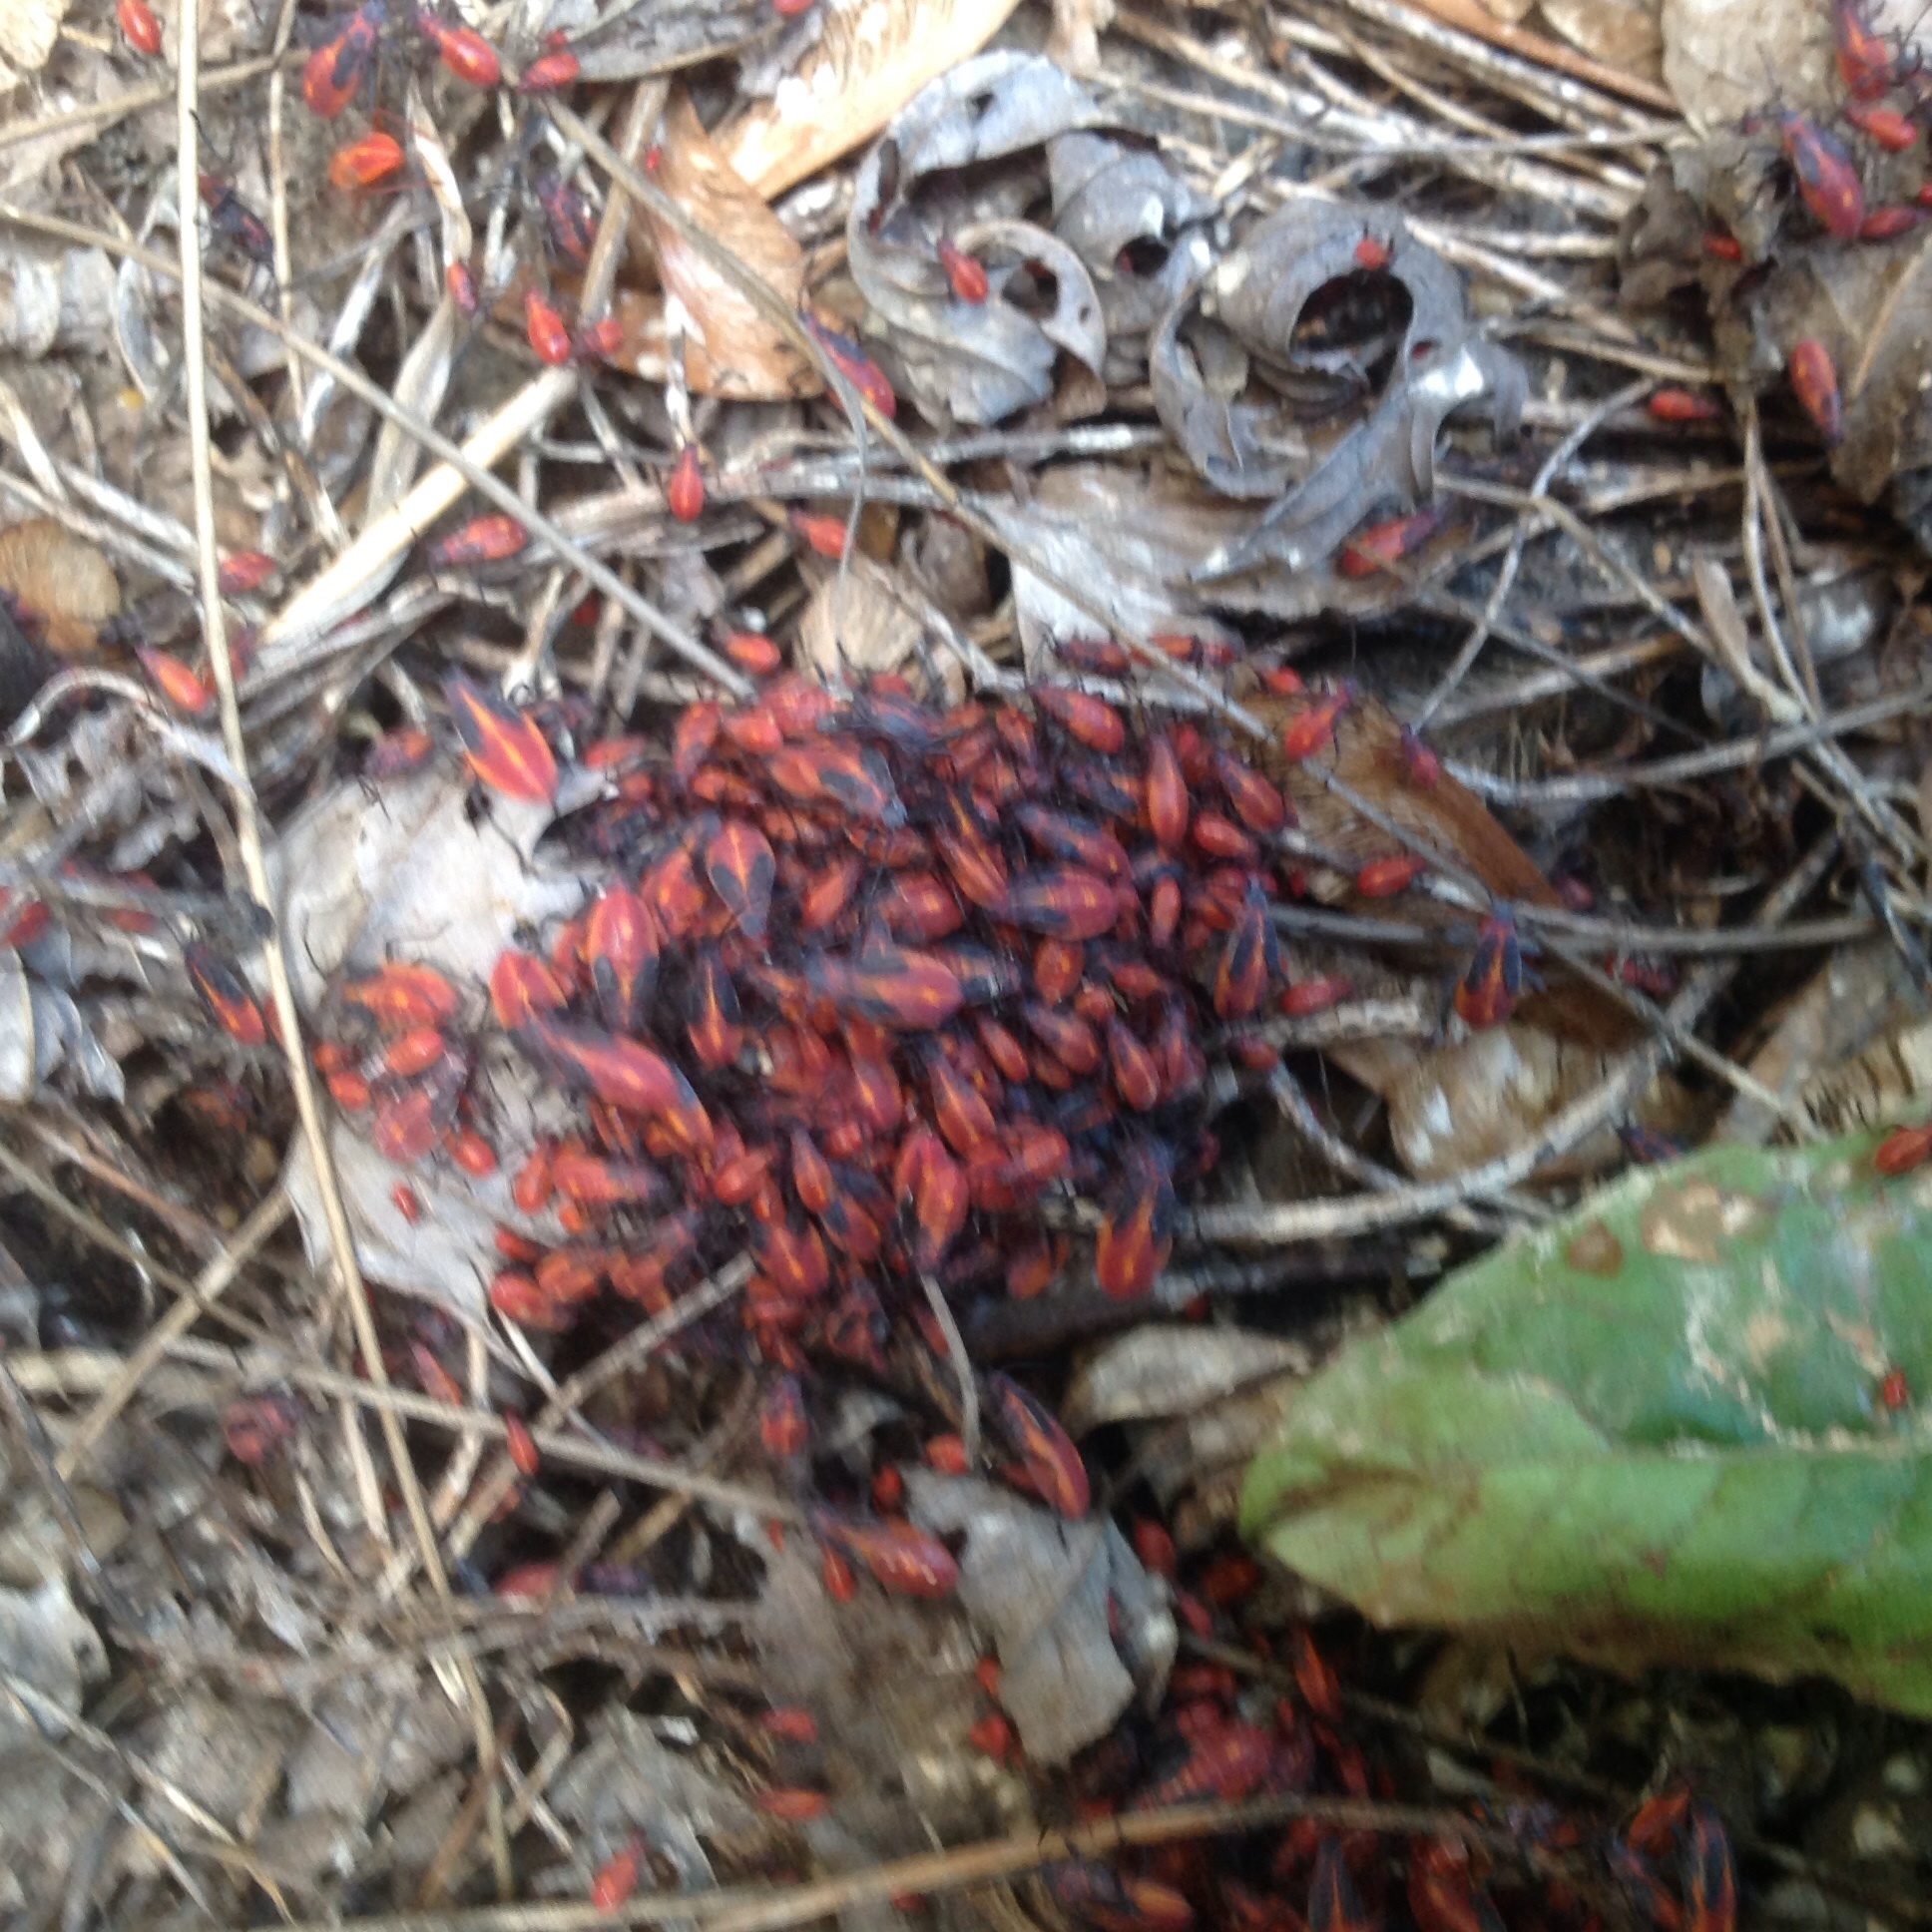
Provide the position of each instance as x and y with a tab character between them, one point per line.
731	348
61	578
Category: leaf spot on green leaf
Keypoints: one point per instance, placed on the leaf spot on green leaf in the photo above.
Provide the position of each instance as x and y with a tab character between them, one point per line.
1687	1223
1594	1249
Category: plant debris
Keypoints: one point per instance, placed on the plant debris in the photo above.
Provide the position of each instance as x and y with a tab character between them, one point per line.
792	785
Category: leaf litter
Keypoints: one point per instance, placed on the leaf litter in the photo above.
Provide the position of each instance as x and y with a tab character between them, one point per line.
1108	711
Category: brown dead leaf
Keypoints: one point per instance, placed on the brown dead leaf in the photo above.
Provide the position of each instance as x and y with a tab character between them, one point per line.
1367	758
62	578
872	57
733	351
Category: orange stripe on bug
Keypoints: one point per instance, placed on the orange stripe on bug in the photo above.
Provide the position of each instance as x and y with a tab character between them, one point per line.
855	364
505	749
1814	382
462	49
1042	1444
361	163
225	995
182	688
138	26
486	539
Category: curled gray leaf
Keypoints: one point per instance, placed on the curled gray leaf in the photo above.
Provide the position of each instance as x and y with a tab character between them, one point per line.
972	361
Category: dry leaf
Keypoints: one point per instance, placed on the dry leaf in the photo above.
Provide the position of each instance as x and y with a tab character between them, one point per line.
61	576
1159	1370
735	350
1623	33
872	57
857	623
1079	1627
1075	41
1851	1046
973	360
28	30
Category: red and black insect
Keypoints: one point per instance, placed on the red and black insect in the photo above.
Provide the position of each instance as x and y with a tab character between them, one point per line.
1485	994
225	995
335	71
236	223
506	750
1040	1442
1828	177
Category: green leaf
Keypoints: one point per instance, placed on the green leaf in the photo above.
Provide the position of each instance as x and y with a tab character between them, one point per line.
1652	1432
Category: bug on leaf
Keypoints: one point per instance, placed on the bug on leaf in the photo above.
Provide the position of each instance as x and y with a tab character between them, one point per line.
1829	183
1683	406
334	71
855	364
241	571
462	49
1814	382
1382	879
619	1071
1903	1149
544	325
1894	132
793	1803
783	1429
519	1444
1865	60
1042	1444
1088	719
901	1557
487	539
617	1877
622	945
965	273
821	533
1485	994
184	688
1137	1229
139	27
1313	727
363	162
1383	545
505	749
685	485
523	988
790	1721
550	72
225	995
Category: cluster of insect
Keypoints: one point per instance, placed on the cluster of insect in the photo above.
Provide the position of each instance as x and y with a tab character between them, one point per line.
1888	94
